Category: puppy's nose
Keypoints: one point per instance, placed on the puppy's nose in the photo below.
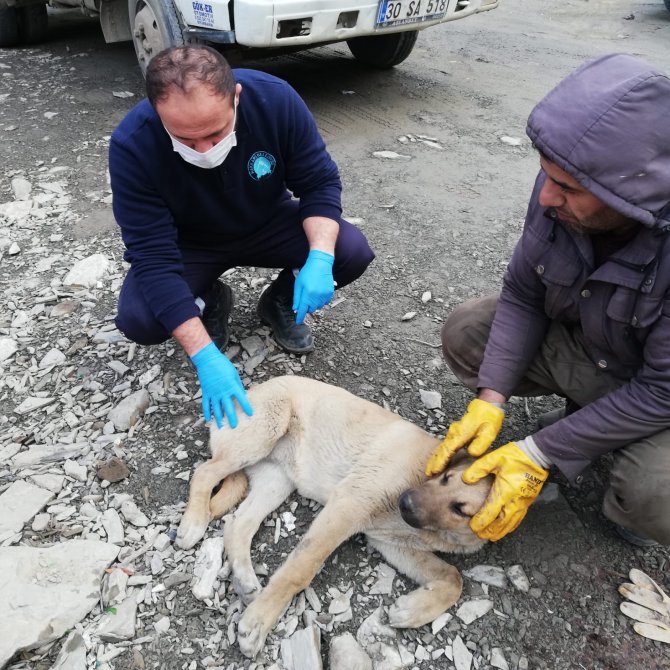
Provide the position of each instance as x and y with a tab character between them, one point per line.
408	509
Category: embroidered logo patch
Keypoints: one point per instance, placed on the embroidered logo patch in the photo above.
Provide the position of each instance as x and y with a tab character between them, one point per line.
261	165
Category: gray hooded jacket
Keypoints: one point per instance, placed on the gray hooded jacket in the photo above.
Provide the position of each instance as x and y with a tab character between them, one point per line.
608	125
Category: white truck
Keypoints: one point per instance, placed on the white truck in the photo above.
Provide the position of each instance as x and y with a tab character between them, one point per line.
379	33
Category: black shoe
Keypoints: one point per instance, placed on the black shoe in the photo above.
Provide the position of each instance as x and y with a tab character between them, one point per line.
275	309
215	316
633	538
549	418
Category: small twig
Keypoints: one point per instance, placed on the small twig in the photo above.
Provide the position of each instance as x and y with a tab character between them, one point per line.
428	344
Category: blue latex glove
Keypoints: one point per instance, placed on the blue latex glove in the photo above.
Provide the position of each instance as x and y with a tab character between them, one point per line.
220	383
314	285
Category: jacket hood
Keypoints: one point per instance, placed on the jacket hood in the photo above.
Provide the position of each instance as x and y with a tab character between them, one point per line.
608	125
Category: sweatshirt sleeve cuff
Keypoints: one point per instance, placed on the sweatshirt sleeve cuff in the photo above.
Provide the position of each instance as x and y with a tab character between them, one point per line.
327	211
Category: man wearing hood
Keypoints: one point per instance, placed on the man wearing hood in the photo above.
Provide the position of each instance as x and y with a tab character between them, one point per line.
584	310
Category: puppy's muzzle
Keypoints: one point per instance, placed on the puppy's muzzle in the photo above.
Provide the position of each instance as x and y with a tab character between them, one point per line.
409	508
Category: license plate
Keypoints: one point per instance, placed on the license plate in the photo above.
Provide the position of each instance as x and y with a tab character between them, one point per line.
402	12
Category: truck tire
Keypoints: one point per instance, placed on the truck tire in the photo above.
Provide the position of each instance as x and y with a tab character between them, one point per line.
33	23
9	27
155	26
383	51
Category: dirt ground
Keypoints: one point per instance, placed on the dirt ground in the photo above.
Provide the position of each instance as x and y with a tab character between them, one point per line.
442	220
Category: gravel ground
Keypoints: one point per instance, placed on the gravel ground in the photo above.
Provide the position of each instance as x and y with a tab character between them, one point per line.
442	217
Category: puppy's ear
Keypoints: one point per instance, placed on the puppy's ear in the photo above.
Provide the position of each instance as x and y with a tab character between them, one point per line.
459	458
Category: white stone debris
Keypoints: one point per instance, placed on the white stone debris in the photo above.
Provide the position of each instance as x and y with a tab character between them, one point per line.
114	586
122	94
384	584
56	588
473	609
162	625
49	453
75	470
252	344
17	211
341	602
431	399
133	514
511	141
313	599
302	651
426	296
72	655
390	155
21	188
118	622
487	574
387	657
52	357
8	347
32	404
288	519
208	562
48	481
517	576
88	271
439	623
111	522
346	654
461	654
408	316
372	629
129	410
18	505
118	367
41	522
498	659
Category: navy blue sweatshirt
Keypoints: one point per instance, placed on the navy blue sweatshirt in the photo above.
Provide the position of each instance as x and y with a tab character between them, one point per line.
160	201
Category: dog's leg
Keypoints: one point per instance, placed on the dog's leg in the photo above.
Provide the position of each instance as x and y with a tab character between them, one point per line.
339	520
196	516
233	489
268	488
441	584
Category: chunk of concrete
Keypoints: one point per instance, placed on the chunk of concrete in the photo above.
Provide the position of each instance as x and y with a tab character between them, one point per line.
19	504
45	592
347	654
72	655
129	410
302	651
118	623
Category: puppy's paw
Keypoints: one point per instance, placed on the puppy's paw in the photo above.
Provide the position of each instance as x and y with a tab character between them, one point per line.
246	586
252	631
191	530
415	609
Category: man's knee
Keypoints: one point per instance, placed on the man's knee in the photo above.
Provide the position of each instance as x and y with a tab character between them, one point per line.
639	495
352	255
466	331
140	327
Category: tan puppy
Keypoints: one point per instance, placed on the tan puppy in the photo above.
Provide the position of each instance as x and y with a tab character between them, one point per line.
365	465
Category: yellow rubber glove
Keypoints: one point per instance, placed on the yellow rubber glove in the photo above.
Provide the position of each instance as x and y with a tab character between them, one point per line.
518	481
479	427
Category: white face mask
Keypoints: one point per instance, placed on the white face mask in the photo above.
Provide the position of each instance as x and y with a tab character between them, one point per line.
212	157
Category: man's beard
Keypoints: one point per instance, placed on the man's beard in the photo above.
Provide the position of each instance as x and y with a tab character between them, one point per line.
607	221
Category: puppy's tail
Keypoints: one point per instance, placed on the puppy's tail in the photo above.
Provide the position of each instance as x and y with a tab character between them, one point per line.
233	489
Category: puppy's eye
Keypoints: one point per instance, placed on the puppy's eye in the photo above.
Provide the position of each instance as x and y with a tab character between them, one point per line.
457	509
445	478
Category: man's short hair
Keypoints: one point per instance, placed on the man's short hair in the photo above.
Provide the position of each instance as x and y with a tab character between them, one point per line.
183	68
